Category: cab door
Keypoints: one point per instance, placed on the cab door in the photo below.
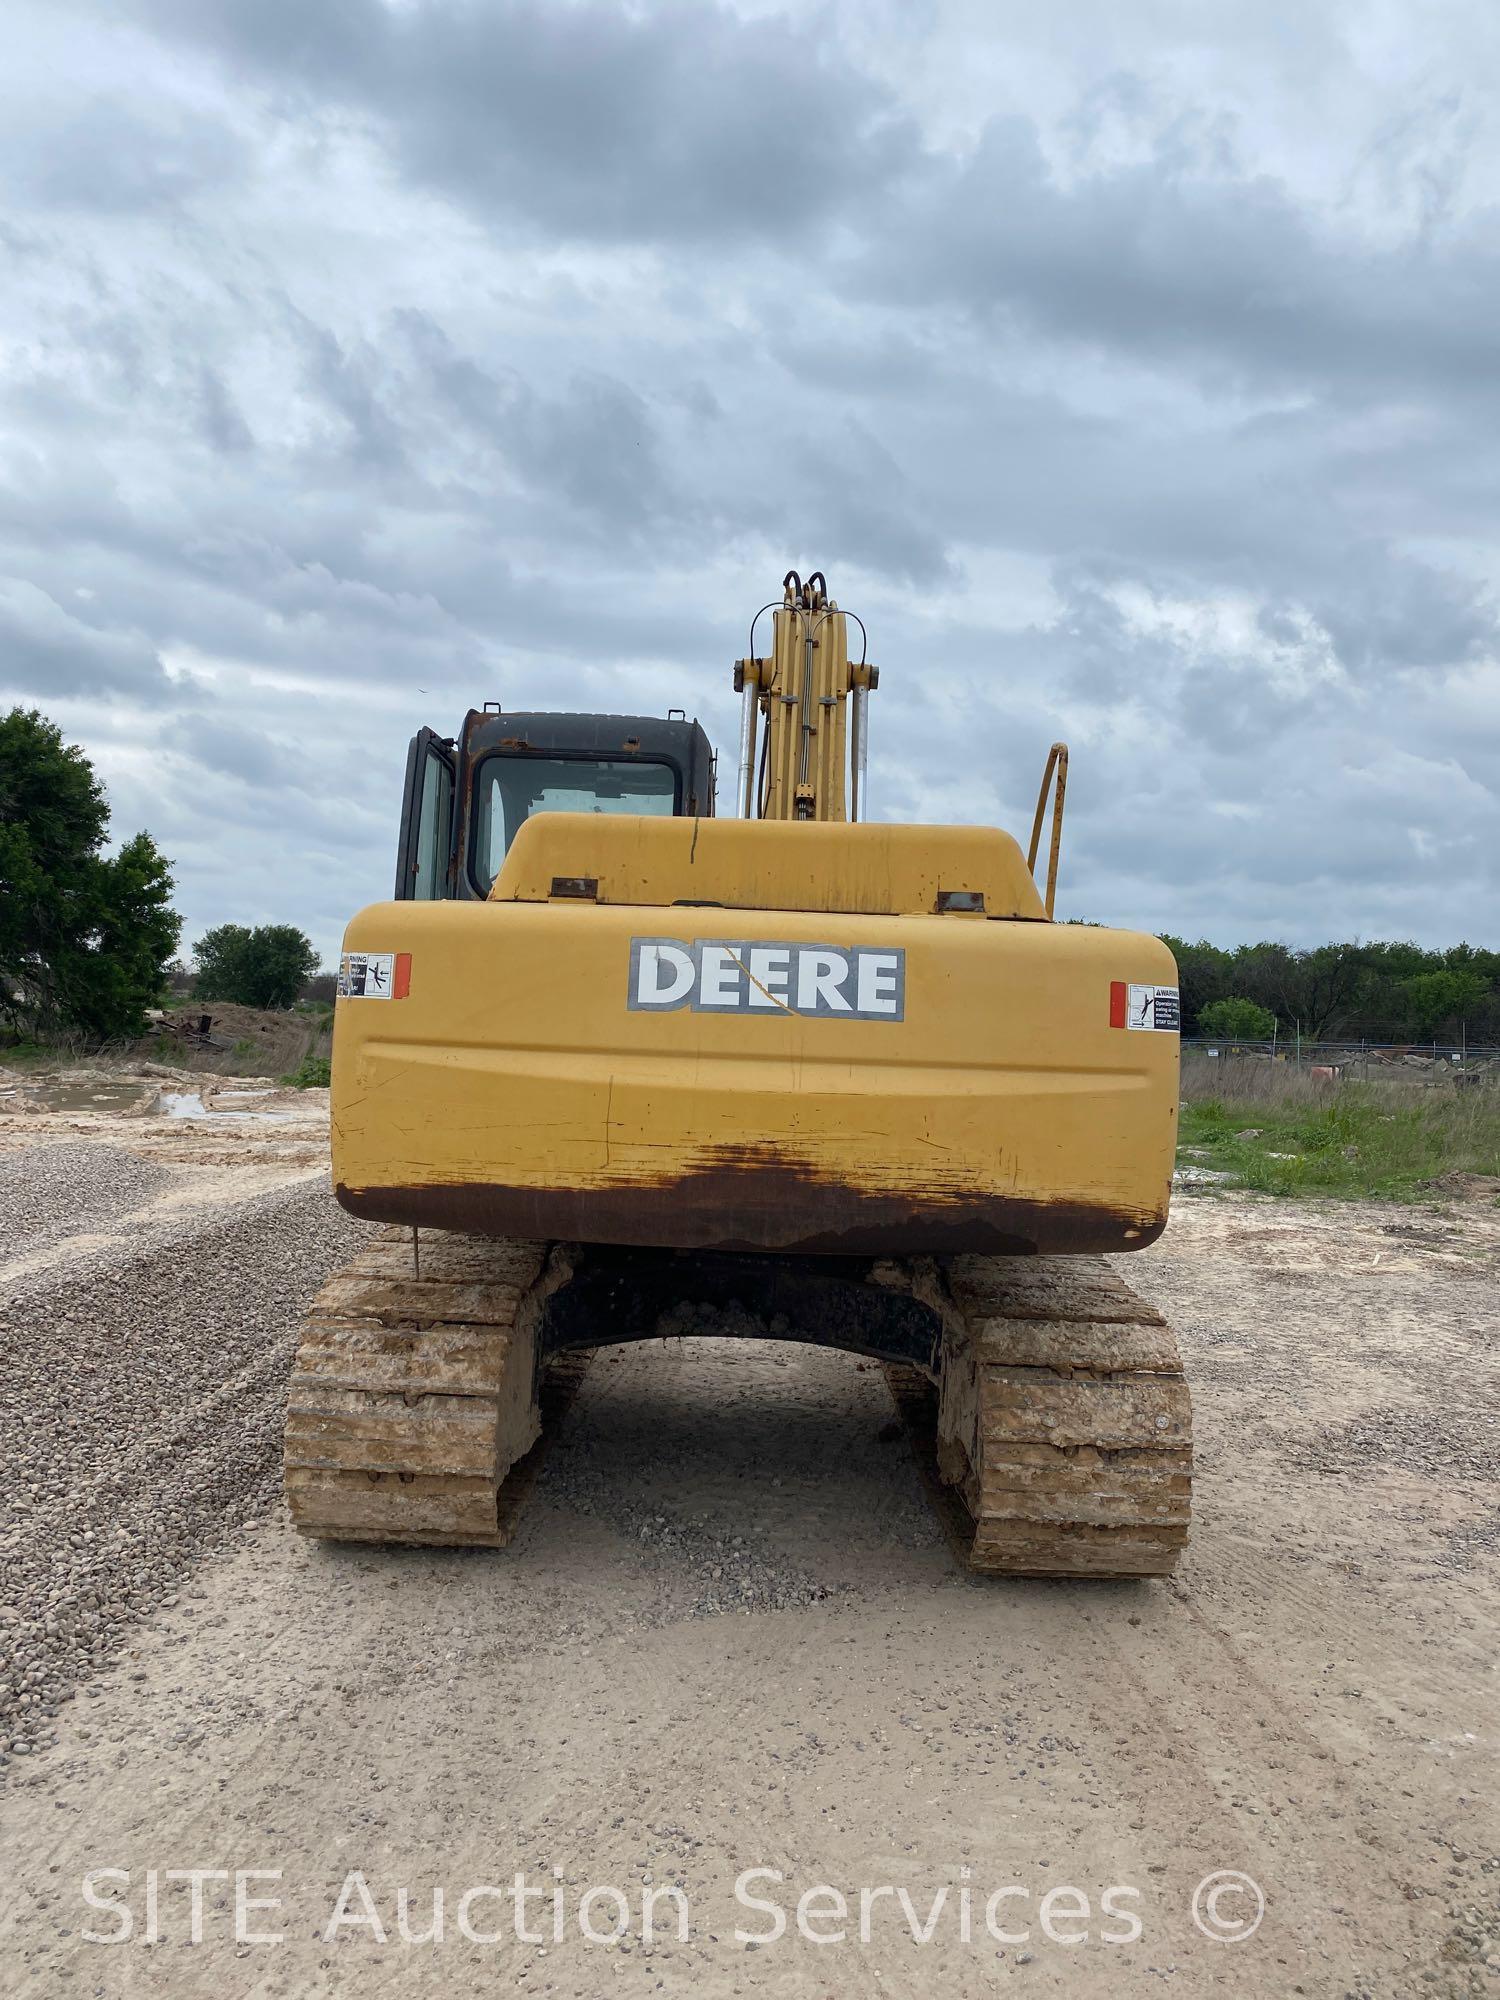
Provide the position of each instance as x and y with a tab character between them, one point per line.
424	857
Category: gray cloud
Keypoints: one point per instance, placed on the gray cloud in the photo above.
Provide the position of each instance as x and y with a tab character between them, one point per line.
106	155
245	754
684	122
1383	609
1191	264
223	426
48	651
367	361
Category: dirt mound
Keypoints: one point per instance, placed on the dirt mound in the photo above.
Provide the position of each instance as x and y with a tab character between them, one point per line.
237	1041
1467	1187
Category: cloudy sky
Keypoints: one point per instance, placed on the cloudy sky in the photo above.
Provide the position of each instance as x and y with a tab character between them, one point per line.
1134	371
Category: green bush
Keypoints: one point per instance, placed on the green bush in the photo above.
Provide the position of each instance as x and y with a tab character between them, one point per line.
1235	1020
312	1073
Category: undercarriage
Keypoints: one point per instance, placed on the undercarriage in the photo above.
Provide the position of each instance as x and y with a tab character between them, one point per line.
1041	1394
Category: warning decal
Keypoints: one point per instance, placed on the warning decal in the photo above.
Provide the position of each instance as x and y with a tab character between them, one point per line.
374	975
1144	1006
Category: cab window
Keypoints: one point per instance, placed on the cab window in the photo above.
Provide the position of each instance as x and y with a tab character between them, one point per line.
434	820
509	789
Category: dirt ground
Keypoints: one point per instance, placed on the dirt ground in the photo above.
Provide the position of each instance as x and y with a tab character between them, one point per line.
731	1638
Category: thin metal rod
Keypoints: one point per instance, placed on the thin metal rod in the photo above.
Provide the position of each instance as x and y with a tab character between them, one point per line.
1057	761
1057	819
805	759
859	761
749	715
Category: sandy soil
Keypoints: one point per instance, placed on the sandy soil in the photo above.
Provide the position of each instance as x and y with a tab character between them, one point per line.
730	1638
252	1120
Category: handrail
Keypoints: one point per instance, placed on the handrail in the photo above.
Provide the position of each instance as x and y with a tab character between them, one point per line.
1057	761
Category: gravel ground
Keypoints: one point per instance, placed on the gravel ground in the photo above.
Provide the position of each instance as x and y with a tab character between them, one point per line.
729	1635
1392	1384
51	1192
140	1406
743	1534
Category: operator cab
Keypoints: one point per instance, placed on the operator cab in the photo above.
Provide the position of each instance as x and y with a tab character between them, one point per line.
466	799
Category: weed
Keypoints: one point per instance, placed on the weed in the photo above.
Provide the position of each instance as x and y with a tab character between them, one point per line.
312	1073
26	1054
1288	1134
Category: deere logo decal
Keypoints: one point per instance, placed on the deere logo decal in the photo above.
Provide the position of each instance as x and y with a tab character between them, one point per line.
723	976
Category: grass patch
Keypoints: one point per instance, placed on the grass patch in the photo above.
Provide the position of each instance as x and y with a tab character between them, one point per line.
29	1055
312	1073
1286	1134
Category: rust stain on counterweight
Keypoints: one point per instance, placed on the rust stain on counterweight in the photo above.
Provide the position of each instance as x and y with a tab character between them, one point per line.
750	1197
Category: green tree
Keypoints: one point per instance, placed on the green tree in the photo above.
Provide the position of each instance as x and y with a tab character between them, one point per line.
1379	992
263	967
1204	973
84	937
1236	1020
1433	998
1313	987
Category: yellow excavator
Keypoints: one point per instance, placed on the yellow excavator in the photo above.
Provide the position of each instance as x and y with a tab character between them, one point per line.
607	1065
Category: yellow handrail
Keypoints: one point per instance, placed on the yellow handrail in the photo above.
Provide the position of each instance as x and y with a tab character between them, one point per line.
1057	760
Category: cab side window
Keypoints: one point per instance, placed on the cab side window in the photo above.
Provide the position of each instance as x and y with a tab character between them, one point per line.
434	829
426	820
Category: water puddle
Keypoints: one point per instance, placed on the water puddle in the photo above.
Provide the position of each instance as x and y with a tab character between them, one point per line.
79	1096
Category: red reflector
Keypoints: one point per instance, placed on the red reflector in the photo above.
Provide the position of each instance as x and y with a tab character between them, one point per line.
1116	998
401	979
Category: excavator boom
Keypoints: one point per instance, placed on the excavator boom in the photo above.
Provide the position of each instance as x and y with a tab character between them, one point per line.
805	703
